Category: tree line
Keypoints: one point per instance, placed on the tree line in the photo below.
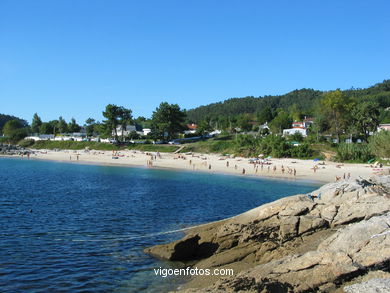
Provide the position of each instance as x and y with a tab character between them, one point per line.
354	112
166	122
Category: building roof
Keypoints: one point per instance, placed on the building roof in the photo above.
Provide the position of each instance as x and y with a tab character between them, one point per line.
192	126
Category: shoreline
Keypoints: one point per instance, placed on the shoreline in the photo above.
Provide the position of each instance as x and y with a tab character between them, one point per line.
287	240
177	169
211	163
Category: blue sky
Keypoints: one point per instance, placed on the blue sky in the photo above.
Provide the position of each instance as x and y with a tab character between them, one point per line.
72	57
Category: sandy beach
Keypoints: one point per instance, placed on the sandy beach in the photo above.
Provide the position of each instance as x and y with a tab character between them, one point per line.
322	171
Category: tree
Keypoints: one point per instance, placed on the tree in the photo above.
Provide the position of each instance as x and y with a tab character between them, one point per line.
243	122
379	144
265	115
203	127
168	120
102	130
335	107
73	126
11	126
36	123
365	118
280	122
295	112
14	130
62	127
46	128
112	114
90	123
125	118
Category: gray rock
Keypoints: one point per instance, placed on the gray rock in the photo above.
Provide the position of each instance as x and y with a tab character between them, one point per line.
372	286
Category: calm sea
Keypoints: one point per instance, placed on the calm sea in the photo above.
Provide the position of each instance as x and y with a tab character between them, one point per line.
82	228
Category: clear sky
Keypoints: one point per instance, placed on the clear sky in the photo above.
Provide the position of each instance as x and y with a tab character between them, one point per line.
72	57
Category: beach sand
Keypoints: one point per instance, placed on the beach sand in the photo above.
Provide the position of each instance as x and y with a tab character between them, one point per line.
213	163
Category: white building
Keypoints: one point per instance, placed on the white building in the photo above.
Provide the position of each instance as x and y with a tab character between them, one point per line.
146	131
126	132
41	137
384	127
292	131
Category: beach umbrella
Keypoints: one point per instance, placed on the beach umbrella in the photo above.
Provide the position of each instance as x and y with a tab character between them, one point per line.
316	159
261	155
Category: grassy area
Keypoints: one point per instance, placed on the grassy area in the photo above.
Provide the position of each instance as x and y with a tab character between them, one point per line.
80	145
154	148
222	145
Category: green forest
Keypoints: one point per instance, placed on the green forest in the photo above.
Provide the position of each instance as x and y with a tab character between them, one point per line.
345	124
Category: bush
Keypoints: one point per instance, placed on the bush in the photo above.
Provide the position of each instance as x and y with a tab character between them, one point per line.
354	152
26	143
275	146
379	144
17	135
296	136
301	151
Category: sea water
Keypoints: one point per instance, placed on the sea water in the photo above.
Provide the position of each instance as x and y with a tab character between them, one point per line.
75	228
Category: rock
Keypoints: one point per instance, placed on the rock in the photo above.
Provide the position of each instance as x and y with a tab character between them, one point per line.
348	253
181	250
296	244
309	224
372	286
300	206
288	228
329	212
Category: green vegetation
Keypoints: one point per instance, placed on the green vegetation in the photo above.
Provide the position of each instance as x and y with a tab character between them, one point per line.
249	146
338	115
380	144
81	145
167	121
354	153
297	104
15	130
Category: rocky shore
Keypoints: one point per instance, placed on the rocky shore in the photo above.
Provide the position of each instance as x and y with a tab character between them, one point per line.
336	239
10	150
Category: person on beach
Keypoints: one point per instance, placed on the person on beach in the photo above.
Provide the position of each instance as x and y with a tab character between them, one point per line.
295	172
227	164
257	168
77	156
274	169
210	167
70	158
235	167
349	175
268	169
243	171
282	169
190	162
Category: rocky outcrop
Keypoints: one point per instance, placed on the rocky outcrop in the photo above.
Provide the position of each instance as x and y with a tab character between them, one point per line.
375	285
9	150
350	252
302	243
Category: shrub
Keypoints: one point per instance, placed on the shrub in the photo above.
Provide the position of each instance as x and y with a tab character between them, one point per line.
354	152
301	151
379	144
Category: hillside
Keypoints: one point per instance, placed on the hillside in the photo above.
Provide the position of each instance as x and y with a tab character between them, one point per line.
304	99
5	118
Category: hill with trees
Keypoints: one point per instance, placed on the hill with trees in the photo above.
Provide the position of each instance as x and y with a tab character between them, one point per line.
298	103
5	118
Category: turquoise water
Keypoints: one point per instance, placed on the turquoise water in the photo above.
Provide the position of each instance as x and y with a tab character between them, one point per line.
89	224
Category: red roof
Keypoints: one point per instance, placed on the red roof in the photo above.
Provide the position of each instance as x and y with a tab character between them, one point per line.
192	126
